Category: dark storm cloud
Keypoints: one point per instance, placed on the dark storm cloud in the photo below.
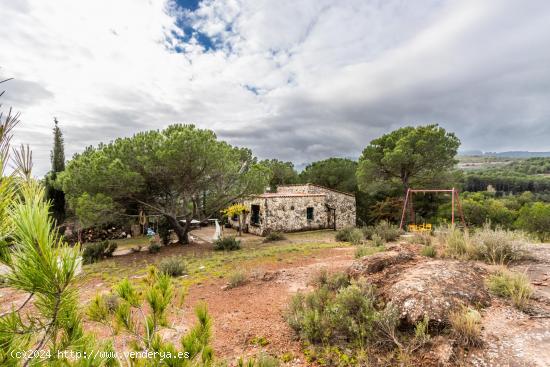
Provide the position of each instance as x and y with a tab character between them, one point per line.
297	81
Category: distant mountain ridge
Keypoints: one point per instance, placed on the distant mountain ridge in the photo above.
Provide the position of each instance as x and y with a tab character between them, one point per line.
507	154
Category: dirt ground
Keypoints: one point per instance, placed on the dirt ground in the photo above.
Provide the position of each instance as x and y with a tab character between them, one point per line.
255	310
513	338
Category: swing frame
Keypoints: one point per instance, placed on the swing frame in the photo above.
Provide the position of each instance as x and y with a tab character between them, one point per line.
408	204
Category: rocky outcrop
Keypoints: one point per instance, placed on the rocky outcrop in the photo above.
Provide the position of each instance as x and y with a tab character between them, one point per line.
419	287
378	262
436	287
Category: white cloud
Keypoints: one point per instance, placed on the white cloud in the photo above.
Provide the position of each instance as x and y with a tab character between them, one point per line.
328	76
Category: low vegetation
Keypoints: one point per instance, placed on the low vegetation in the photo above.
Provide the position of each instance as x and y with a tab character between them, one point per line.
428	251
378	235
227	244
513	285
340	319
377	241
154	247
494	246
173	266
365	250
262	360
274	236
142	314
96	251
236	279
466	326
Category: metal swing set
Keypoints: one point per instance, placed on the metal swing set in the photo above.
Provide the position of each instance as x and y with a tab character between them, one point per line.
427	227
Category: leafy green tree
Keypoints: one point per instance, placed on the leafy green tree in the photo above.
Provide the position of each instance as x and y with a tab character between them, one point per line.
53	193
535	218
407	156
334	173
280	173
179	172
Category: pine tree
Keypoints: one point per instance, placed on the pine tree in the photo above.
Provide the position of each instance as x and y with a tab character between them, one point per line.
40	265
53	193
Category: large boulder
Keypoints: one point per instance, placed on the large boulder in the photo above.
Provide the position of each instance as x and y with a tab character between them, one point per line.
436	287
376	263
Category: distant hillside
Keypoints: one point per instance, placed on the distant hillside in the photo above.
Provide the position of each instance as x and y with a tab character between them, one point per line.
508	154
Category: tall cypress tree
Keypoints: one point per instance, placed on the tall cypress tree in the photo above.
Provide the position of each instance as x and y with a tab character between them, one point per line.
58	151
57	155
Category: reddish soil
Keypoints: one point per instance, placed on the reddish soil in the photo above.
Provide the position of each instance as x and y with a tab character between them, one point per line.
256	309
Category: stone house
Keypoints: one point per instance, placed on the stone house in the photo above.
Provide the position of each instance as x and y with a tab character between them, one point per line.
295	208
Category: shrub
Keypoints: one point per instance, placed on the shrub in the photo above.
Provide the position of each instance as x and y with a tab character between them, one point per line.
368	231
96	251
262	360
154	247
227	244
513	285
389	232
466	326
237	279
428	251
498	246
260	341
274	236
350	234
535	218
327	315
377	241
173	266
457	244
424	239
356	236
333	281
344	234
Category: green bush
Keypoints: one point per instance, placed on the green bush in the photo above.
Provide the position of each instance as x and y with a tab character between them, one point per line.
458	244
344	234
174	266
274	236
513	285
535	218
262	360
96	251
326	314
227	244
377	241
466	326
389	232
494	246
333	281
350	234
428	251
236	279
498	246
154	247
424	239
368	231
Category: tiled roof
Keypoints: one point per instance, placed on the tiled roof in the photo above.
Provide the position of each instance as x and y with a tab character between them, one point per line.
286	195
321	186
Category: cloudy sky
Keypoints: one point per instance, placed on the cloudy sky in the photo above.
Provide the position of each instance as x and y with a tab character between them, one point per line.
297	80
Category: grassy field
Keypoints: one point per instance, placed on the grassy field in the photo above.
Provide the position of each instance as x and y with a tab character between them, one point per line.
203	262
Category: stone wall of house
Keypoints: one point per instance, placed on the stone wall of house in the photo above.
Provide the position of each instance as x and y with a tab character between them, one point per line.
289	213
344	205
